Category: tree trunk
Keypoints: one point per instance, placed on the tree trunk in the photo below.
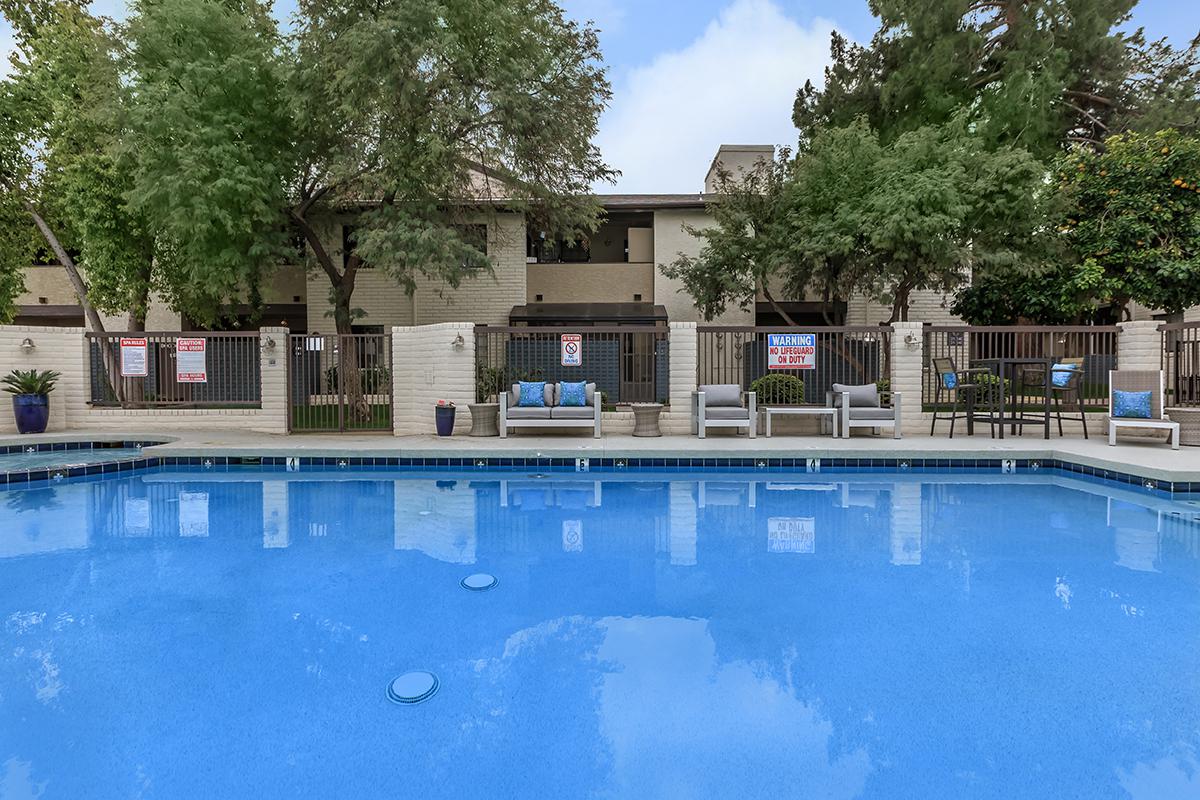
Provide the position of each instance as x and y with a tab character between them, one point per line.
89	313
108	358
900	304
778	308
350	390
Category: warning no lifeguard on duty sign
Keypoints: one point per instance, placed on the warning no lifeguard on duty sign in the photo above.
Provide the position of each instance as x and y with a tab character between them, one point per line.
791	351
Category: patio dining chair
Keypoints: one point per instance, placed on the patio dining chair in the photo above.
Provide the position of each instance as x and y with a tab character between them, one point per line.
1066	390
963	389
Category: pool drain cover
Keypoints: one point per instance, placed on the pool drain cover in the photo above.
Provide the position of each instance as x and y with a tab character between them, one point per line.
479	582
413	687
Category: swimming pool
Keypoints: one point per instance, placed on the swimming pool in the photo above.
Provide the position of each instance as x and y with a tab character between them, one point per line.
233	633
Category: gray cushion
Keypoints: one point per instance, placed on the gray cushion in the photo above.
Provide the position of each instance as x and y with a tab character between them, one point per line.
589	391
517	412
573	412
514	395
725	412
722	394
871	413
864	395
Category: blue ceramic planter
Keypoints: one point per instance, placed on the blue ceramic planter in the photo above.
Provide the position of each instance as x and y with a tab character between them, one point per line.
444	417
32	412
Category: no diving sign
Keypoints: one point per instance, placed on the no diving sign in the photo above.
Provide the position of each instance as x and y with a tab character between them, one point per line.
572	350
791	351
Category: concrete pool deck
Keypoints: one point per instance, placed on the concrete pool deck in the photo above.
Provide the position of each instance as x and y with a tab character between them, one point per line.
1149	458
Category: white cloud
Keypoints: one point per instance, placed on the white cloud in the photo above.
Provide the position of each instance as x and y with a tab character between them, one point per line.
734	84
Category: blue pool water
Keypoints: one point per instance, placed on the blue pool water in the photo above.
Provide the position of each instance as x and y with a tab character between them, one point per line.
233	635
45	459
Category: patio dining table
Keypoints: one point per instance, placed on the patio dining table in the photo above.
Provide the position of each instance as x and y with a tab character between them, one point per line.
1006	369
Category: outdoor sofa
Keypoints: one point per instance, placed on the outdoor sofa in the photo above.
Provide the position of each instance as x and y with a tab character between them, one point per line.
552	414
861	408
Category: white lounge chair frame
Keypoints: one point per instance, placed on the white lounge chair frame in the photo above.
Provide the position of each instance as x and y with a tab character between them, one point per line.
1140	380
893	423
700	422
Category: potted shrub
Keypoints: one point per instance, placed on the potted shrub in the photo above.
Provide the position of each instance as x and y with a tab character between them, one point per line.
31	397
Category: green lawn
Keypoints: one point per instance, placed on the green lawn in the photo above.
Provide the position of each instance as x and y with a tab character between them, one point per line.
325	418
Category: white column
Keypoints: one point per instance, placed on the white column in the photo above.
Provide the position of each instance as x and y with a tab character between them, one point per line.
273	372
1139	345
683	354
431	363
908	356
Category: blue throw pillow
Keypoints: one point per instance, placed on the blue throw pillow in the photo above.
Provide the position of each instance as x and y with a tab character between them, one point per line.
573	394
533	394
1060	374
1131	405
949	379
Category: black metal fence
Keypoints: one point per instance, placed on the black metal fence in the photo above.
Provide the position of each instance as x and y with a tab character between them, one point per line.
222	372
849	355
628	364
1181	362
340	382
1092	347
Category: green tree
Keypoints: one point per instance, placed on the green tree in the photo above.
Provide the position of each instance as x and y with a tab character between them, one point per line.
1033	73
1064	294
417	116
1133	211
851	214
944	207
56	134
208	140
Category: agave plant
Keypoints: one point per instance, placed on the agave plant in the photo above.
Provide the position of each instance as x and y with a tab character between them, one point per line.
30	381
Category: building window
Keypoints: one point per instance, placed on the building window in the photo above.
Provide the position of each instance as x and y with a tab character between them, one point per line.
550	250
476	237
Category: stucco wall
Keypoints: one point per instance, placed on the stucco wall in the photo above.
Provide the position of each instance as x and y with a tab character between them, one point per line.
670	241
590	283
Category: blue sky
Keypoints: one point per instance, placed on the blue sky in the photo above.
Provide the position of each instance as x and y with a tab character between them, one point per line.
689	75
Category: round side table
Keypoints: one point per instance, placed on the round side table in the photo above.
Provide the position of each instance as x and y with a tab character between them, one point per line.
645	419
1189	424
484	419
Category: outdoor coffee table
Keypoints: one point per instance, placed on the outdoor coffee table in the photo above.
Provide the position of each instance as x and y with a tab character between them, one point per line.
803	410
645	419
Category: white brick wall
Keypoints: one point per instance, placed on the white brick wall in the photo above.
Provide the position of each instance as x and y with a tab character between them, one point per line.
906	374
1139	345
427	367
59	349
683	345
65	350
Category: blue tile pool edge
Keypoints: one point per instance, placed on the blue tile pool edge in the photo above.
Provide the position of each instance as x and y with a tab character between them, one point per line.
509	464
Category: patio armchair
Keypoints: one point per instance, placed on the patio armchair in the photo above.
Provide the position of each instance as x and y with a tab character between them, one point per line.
1136	382
861	407
721	406
963	389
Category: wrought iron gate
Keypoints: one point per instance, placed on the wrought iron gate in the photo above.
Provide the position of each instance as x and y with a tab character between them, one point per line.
340	382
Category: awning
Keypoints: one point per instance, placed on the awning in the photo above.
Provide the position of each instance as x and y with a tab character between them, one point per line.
584	313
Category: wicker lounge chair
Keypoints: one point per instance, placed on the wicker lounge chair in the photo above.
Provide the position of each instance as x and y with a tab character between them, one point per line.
1138	380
